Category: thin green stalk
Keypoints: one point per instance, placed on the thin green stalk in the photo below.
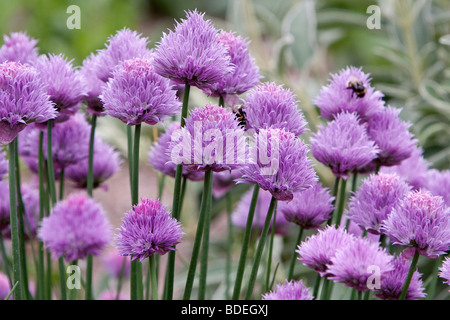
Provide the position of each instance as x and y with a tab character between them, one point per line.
260	248
431	290
202	219
42	195
90	176
12	291
317	286
136	284
61	184
207	195
130	156
221	101
119	281
335	192
90	188
153	275
5	259
409	276
50	169
245	244
341	201
14	223
269	260
176	203
324	292
294	256
52	189
229	244
22	220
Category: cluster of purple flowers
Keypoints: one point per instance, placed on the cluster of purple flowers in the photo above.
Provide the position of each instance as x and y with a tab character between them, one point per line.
401	202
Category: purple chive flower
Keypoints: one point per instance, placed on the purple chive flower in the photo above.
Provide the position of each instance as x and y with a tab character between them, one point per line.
148	229
444	271
343	145
115	264
420	222
352	264
4	205
106	163
374	200
77	227
290	290
393	281
413	170
69	141
137	94
207	141
337	97
23	100
5	287
64	84
316	251
309	208
19	47
245	74
125	44
98	67
3	165
223	181
438	182
391	135
90	70
240	214
160	159
278	162
272	106
192	53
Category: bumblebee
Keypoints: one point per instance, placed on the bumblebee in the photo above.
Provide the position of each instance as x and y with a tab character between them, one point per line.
240	115
357	86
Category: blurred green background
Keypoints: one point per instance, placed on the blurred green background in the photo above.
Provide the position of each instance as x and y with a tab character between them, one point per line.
297	43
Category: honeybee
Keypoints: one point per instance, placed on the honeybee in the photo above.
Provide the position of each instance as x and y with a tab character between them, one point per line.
357	86
240	115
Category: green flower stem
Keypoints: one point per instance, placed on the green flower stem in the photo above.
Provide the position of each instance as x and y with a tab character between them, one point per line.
317	286
5	260
205	209
409	276
207	200
176	204
260	248
154	284
245	244
12	291
42	195
14	223
130	156
229	245
324	292
431	290
269	259
22	221
90	188
341	203
136	284
335	192
52	189
121	275
293	259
